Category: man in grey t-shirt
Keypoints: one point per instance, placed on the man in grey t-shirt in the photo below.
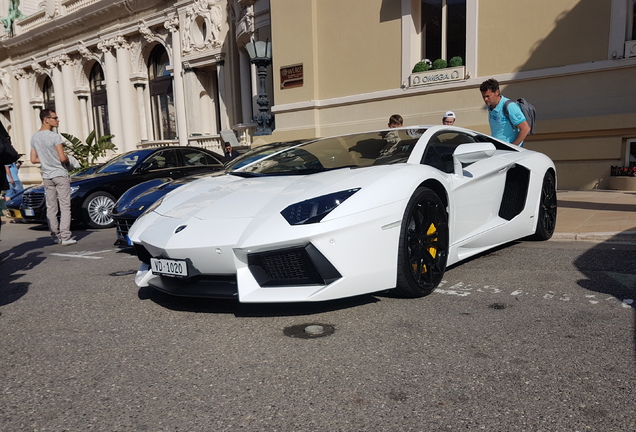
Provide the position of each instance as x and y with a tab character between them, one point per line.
47	148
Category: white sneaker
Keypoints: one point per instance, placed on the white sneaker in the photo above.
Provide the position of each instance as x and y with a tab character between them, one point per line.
68	242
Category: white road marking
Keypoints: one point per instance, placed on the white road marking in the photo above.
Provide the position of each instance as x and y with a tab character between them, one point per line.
462	289
83	254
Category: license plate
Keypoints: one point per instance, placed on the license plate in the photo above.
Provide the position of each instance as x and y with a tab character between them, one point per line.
16	214
29	212
168	267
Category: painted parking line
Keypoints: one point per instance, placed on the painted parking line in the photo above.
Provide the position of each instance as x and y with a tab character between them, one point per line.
462	289
83	254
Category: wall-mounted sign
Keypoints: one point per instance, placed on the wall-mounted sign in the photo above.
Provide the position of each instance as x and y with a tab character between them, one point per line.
436	76
291	76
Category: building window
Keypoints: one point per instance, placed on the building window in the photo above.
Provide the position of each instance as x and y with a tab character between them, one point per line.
631	31
443	29
161	96
630	157
99	101
48	94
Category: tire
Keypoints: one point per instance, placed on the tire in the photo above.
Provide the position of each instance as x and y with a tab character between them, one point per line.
546	221
423	247
97	209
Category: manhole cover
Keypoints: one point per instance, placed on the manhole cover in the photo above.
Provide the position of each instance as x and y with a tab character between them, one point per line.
309	331
124	273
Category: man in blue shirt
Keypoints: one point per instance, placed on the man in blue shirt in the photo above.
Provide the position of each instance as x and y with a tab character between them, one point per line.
501	127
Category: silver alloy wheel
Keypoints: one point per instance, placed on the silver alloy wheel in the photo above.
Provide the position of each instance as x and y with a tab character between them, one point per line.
99	210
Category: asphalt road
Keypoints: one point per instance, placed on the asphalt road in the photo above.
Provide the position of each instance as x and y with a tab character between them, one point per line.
530	337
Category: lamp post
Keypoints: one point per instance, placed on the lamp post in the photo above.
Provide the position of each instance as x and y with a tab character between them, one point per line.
261	55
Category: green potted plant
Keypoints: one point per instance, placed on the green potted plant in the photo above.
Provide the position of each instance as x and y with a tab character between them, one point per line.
455	62
88	152
440	64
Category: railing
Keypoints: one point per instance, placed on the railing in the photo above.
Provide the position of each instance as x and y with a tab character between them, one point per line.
210	142
30	22
73	5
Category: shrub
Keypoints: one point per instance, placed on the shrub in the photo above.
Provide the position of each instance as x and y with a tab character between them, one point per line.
455	62
420	67
439	64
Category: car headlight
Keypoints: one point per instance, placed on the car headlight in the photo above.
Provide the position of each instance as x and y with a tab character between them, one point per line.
73	190
315	209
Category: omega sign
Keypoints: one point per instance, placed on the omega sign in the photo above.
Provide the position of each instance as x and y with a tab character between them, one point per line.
436	76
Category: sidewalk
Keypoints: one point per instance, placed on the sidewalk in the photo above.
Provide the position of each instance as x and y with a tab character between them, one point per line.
596	215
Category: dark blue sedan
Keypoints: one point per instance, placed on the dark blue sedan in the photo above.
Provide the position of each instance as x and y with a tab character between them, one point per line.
93	196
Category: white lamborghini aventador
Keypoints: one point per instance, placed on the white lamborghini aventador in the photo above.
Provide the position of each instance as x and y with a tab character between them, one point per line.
346	215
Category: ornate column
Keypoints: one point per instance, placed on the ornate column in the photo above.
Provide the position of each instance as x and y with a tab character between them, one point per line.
140	82
73	123
82	97
29	123
112	93
179	100
130	138
58	87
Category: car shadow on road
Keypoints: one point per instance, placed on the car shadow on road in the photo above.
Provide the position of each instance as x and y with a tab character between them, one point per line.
14	262
609	269
243	310
22	258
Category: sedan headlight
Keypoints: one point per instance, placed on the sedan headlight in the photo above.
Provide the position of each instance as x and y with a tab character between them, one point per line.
315	209
73	190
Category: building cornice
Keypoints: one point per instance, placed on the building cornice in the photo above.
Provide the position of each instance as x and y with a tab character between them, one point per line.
42	28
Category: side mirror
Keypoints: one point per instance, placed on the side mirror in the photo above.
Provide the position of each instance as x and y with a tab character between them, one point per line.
469	153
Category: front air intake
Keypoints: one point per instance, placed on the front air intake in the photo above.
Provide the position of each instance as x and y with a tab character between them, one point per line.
293	266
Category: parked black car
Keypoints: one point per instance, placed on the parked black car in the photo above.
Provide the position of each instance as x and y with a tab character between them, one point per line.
93	195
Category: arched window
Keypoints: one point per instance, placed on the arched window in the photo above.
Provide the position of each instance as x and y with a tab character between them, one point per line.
161	96
48	94
99	101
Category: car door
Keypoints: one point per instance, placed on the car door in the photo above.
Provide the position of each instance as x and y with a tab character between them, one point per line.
195	161
477	195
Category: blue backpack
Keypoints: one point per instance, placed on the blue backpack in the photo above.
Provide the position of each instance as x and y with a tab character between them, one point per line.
528	110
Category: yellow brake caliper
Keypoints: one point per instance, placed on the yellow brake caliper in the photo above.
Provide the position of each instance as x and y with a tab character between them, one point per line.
432	229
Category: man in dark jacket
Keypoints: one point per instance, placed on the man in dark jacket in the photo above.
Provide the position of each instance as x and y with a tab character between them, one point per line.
230	153
8	155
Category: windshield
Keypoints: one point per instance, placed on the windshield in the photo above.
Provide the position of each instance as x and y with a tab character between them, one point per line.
353	151
256	154
123	163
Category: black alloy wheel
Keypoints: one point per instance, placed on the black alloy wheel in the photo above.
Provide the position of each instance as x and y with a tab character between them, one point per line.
546	222
423	247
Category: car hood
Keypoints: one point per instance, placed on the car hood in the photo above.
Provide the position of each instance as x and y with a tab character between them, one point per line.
235	197
95	176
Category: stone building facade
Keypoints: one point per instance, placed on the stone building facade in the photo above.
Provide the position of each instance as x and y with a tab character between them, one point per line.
149	72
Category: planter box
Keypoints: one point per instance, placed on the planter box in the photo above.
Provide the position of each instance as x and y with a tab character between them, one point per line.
622	183
437	76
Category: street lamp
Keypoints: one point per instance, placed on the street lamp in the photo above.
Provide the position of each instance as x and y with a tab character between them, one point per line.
261	55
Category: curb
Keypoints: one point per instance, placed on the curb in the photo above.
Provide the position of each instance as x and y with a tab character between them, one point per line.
609	237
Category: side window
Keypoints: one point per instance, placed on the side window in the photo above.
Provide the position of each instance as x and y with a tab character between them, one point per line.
163	159
194	157
498	145
439	152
